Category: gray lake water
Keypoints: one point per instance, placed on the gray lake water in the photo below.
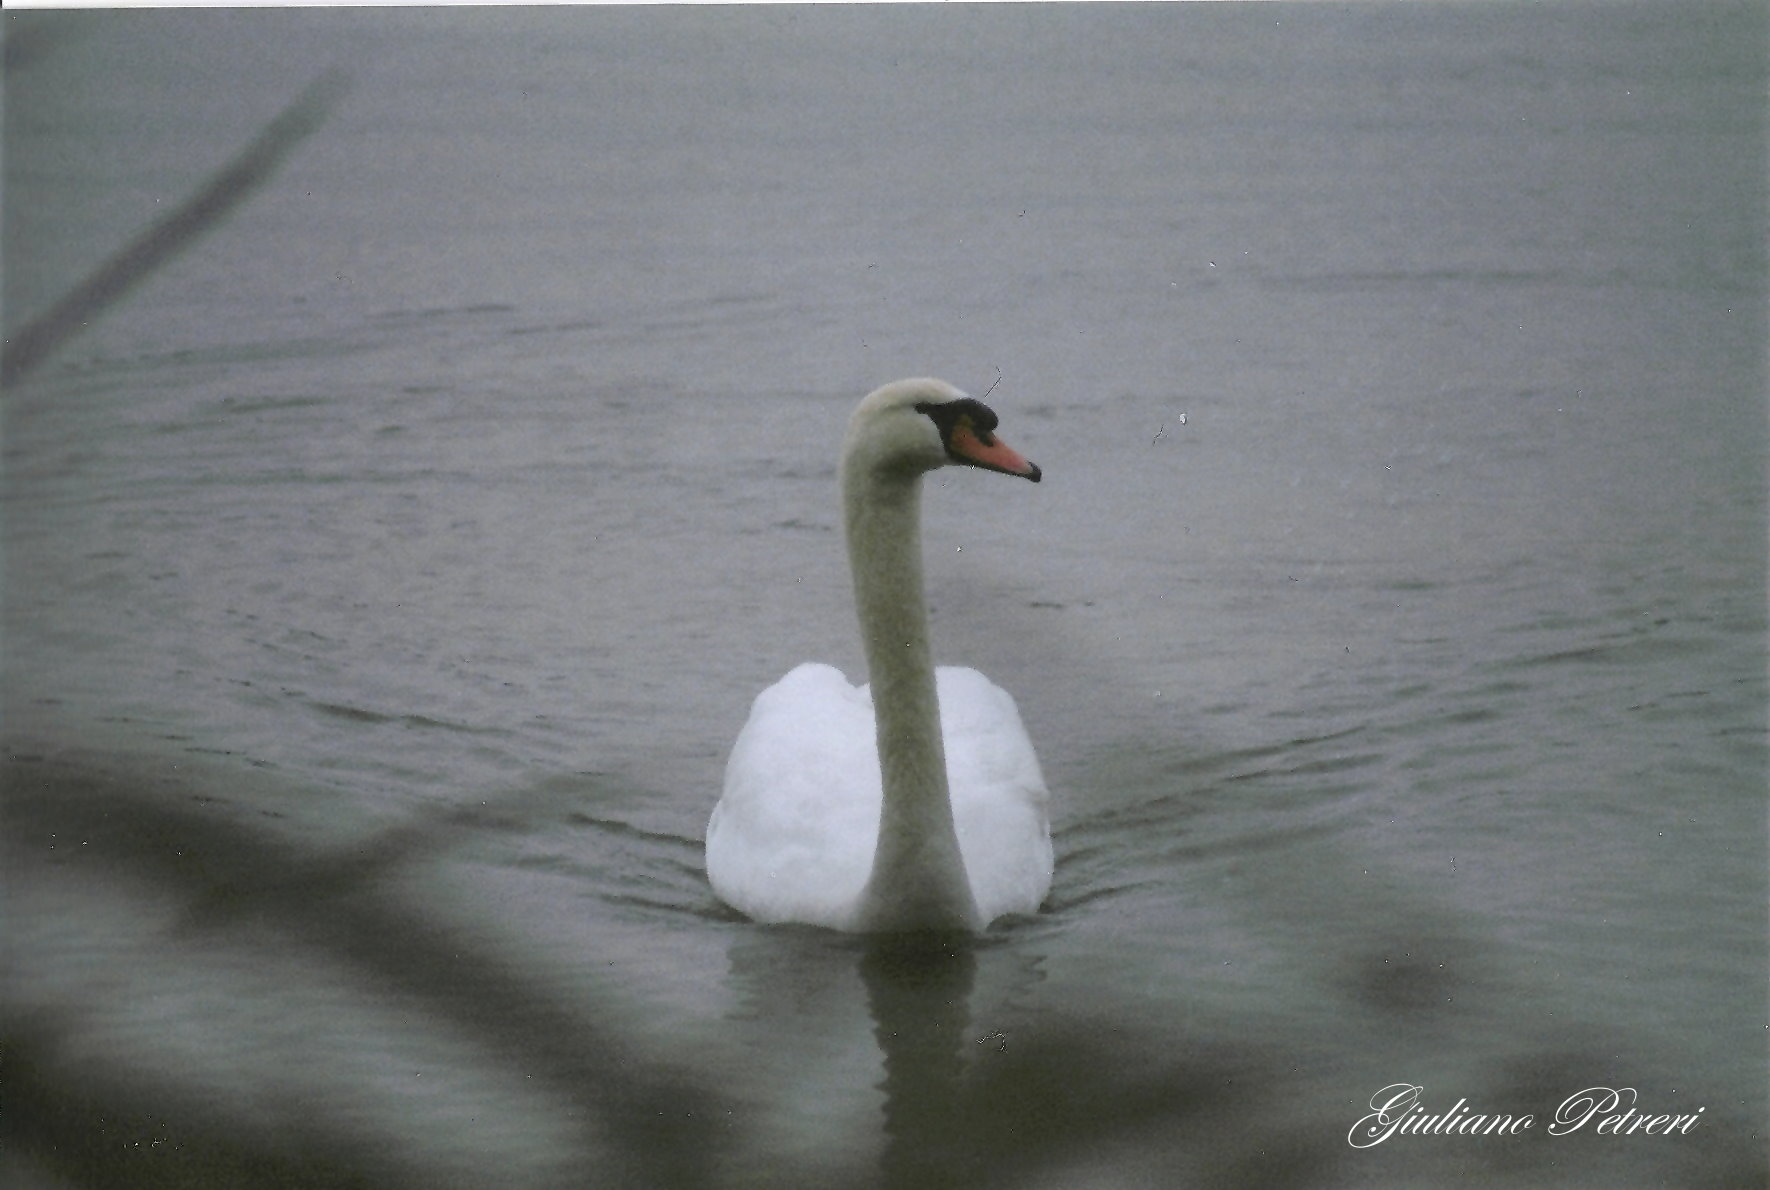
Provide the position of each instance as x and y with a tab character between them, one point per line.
387	575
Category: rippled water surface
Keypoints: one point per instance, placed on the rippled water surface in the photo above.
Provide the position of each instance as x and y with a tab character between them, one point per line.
388	574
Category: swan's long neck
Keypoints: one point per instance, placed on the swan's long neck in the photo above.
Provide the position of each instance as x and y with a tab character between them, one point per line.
918	880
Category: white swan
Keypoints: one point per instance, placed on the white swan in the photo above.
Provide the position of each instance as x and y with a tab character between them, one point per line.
802	833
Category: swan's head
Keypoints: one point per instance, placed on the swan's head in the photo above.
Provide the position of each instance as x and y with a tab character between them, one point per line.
914	426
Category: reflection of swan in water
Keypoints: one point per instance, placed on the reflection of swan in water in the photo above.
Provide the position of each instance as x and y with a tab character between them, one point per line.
919	993
802	832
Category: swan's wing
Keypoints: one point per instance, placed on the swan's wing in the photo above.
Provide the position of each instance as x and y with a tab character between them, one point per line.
1000	804
792	837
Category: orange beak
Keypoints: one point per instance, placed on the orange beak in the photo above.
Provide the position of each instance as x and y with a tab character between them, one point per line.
989	452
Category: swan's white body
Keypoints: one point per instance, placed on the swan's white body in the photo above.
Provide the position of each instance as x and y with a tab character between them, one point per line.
914	803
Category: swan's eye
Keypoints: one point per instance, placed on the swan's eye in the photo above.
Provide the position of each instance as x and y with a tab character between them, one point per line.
968	412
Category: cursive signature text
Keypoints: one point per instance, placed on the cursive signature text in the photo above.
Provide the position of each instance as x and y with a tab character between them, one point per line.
1396	1110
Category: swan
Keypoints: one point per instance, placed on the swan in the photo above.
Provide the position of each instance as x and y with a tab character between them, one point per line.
915	803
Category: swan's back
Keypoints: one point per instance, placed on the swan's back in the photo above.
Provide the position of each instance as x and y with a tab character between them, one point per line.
793	835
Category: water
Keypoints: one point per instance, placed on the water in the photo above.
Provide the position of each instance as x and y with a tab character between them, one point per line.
387	577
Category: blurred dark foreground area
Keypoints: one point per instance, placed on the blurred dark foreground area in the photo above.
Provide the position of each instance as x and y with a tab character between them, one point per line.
195	997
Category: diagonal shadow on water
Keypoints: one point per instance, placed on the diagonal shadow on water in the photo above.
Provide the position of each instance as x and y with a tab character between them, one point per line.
165	238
